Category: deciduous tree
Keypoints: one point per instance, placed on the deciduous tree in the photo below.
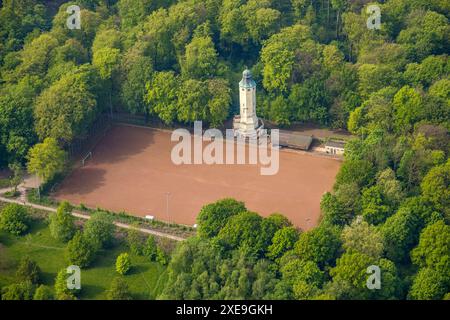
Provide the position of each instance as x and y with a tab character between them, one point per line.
65	110
80	251
62	226
28	270
213	217
119	290
123	263
283	241
14	219
99	229
43	293
46	159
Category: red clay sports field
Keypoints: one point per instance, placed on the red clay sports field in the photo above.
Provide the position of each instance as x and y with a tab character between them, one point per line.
131	170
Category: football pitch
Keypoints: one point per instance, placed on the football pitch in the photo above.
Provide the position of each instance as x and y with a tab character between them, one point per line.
131	170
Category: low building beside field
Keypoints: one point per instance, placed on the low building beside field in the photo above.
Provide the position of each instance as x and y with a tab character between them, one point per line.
295	140
335	147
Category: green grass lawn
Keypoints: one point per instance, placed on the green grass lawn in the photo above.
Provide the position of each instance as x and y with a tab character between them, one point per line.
146	279
4	183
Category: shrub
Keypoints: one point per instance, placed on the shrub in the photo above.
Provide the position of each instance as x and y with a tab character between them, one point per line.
151	248
61	290
99	229
62	226
43	293
18	291
28	270
80	251
119	290
161	256
135	241
123	263
14	219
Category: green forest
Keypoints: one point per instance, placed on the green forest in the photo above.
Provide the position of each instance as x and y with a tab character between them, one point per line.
314	62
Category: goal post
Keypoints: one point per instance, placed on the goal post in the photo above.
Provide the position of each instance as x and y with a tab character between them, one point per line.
86	158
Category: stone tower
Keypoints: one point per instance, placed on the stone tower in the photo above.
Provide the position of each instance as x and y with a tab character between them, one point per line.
247	123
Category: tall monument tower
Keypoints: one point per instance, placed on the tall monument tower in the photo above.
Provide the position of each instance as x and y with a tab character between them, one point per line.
247	124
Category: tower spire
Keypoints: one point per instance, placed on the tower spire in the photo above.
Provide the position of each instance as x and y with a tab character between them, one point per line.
247	81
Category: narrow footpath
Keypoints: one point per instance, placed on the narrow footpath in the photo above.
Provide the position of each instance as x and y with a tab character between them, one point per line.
80	215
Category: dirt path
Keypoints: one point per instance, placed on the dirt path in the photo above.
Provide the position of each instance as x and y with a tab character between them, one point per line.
86	217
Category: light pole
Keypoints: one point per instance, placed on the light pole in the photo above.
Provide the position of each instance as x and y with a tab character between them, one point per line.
167	206
38	182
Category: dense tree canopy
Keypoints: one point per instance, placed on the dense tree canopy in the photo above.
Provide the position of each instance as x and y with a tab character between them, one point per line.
179	61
